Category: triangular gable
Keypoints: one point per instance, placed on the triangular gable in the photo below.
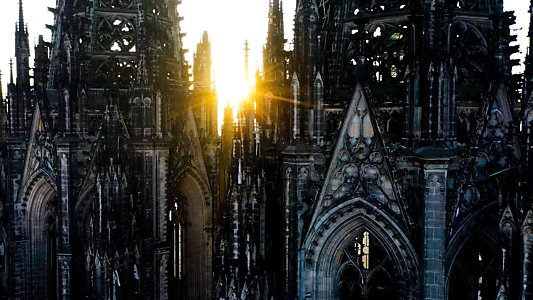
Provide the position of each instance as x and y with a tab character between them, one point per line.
39	154
500	119
89	176
502	103
122	124
359	165
189	149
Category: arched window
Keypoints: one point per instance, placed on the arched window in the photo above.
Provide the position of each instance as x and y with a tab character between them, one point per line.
473	275
366	270
177	240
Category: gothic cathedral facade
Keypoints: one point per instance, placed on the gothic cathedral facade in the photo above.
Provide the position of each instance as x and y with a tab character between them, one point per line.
92	166
384	156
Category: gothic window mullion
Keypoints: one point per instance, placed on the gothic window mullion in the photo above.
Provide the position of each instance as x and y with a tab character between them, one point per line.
116	34
116	4
365	274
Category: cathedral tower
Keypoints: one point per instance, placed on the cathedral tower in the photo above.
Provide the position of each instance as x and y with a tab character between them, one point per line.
362	71
95	206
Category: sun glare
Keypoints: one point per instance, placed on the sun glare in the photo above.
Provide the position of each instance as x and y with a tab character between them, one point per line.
228	32
232	92
227	26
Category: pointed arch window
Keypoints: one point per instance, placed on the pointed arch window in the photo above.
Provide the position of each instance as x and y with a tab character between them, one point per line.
121	72
474	273
366	270
177	240
388	44
177	252
148	116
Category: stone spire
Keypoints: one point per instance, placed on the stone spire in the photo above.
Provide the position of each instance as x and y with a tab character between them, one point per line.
21	17
528	73
305	49
246	61
1	89
11	71
22	54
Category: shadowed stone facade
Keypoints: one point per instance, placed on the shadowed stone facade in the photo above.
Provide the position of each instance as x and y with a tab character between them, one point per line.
385	156
103	158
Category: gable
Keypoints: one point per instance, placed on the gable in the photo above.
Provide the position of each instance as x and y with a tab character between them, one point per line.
359	166
40	152
98	158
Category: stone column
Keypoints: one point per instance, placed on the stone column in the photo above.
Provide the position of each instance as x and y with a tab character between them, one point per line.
434	232
17	251
65	148
527	234
160	206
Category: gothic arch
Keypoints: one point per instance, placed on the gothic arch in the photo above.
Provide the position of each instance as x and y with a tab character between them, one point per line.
191	192
39	224
85	192
36	192
474	232
336	228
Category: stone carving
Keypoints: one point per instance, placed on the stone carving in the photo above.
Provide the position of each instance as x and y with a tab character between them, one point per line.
184	146
44	157
359	168
495	129
381	5
471	51
118	4
527	226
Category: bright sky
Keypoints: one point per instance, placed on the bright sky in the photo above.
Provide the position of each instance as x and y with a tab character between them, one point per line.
229	24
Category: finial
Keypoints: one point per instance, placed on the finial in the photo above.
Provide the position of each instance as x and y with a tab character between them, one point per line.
11	71
246	71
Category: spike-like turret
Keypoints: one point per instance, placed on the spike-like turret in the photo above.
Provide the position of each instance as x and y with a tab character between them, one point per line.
22	97
205	101
528	72
305	51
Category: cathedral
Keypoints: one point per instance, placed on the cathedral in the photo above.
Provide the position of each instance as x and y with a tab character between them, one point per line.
384	155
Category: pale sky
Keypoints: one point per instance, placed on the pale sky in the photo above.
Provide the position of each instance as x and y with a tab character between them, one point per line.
229	24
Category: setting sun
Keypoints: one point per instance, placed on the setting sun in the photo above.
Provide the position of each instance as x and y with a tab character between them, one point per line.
248	149
228	35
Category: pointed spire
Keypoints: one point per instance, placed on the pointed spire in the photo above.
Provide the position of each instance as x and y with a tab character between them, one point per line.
280	14
295	107
1	90
507	217
22	54
246	68
21	26
530	34
527	225
275	17
11	71
529	56
271	10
